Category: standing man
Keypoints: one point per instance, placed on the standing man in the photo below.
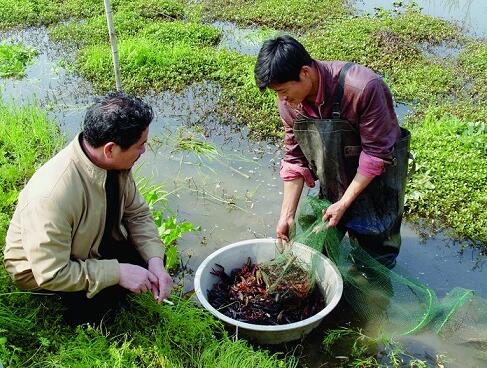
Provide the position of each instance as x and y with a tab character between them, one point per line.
81	228
340	128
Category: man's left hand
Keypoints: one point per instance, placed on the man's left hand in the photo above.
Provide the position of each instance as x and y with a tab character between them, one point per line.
334	213
163	288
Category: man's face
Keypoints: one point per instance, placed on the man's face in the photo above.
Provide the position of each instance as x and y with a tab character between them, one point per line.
125	159
294	92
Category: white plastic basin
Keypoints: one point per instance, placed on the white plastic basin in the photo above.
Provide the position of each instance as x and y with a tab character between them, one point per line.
259	250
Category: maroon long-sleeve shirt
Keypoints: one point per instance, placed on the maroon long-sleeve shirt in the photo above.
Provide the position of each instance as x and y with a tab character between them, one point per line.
367	104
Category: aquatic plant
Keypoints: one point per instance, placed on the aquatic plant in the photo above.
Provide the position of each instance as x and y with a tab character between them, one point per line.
473	60
351	347
130	23
451	149
14	60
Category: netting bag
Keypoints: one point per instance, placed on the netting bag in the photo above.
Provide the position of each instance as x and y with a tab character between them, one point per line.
397	303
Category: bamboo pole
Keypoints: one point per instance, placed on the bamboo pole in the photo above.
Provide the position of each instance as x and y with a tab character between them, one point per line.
113	42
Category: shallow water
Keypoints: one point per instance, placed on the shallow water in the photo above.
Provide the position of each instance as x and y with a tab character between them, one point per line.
469	14
234	196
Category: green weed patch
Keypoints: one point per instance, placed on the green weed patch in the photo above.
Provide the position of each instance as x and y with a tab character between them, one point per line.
279	14
451	176
473	61
14	60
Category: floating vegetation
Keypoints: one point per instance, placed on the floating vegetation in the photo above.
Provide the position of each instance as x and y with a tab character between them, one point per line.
14	60
187	142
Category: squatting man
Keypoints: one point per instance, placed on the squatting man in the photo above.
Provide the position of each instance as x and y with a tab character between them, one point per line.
81	229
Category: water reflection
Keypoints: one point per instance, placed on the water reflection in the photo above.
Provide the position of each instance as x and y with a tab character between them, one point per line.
470	14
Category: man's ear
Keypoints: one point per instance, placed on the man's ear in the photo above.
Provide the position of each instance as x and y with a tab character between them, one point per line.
108	150
305	72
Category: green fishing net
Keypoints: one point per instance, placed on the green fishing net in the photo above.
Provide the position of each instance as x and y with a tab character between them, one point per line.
397	303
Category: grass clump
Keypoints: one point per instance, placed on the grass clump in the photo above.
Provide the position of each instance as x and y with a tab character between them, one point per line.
154	9
451	177
279	14
14	60
147	63
43	12
27	140
231	354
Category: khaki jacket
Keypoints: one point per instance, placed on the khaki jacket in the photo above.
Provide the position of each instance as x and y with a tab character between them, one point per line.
53	238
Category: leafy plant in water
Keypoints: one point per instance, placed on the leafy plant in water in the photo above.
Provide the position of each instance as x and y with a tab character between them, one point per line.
14	60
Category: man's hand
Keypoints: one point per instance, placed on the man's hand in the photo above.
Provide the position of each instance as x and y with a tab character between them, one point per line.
161	289
282	229
334	213
135	278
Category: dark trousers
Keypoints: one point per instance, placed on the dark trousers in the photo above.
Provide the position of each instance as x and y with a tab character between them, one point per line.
383	248
80	309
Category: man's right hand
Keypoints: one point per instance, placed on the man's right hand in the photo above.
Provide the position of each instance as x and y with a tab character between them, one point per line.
283	227
135	278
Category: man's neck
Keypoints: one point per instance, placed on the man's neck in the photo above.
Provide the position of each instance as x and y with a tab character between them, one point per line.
314	85
92	153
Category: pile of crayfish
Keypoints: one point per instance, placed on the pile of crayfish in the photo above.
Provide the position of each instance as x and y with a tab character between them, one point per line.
245	295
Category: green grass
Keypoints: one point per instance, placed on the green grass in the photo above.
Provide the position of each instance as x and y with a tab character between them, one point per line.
451	177
473	60
14	60
44	12
278	14
94	31
27	140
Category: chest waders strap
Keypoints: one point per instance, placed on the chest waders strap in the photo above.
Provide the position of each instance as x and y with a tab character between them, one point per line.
339	91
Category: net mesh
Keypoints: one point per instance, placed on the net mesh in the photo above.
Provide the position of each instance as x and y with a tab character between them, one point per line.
399	303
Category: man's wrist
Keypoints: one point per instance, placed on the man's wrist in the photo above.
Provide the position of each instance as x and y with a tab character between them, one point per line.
156	261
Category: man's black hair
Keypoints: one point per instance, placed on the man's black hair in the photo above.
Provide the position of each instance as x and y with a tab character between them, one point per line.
279	61
117	118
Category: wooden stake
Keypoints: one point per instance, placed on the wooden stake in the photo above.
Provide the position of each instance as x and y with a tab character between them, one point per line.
113	42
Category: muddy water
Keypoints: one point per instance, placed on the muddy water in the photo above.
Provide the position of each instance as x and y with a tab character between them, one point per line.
236	194
469	14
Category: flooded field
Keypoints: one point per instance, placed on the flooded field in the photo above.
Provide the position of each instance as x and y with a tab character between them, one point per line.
236	194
